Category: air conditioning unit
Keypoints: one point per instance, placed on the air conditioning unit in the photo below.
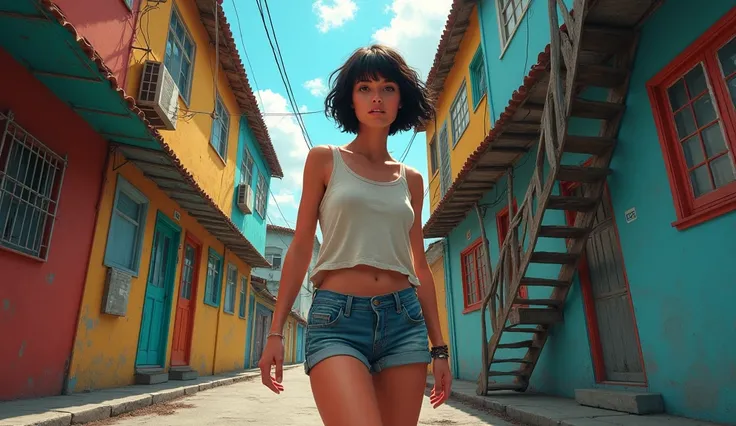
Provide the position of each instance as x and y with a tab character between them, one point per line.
245	198
158	96
117	291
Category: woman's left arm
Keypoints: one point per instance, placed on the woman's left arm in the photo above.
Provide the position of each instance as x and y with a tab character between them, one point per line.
425	291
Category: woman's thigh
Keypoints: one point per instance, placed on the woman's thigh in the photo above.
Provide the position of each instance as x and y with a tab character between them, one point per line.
399	392
344	392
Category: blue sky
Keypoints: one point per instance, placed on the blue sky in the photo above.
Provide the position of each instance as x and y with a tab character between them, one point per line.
315	38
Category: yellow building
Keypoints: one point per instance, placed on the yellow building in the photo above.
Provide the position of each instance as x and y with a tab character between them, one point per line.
263	308
436	262
462	109
167	286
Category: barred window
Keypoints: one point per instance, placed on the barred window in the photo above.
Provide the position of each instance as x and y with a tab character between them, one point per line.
31	176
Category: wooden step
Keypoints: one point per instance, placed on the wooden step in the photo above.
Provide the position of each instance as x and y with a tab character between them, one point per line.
600	76
543	282
526	316
511	360
593	145
582	174
514	329
553	257
583	108
540	302
515	373
505	386
561	231
571	203
517	345
603	39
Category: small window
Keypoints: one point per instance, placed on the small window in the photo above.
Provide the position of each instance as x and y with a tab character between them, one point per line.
213	285
475	280
693	101
232	280
246	168
220	128
30	186
510	13
273	255
459	114
127	224
179	55
433	166
243	287
261	195
477	77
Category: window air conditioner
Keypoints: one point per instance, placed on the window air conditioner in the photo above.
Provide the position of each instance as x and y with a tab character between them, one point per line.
245	198
158	97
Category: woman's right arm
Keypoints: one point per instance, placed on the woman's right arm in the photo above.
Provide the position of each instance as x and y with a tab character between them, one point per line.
298	256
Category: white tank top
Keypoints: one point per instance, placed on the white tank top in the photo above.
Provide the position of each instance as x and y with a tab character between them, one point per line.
364	222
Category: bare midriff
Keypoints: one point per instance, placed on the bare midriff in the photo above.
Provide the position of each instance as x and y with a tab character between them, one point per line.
364	281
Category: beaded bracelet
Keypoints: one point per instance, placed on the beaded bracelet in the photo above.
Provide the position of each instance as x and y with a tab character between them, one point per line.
441	352
275	334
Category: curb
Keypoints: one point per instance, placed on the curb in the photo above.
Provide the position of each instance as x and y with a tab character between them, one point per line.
87	413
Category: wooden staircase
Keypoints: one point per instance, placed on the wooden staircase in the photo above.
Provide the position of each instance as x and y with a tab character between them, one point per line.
591	49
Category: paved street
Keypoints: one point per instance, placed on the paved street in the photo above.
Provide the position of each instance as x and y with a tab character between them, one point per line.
251	402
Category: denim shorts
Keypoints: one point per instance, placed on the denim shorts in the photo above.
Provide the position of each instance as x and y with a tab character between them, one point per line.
381	331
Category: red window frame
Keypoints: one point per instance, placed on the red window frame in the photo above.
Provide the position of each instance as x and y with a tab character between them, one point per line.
690	210
475	249
503	221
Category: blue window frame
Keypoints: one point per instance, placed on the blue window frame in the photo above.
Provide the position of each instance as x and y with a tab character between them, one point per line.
220	128
127	225
232	279
243	286
179	54
213	285
477	77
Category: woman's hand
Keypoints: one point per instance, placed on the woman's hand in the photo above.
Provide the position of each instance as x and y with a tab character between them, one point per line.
273	354
442	382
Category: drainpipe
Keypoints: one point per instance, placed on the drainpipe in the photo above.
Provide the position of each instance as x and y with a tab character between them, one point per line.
68	364
219	313
449	298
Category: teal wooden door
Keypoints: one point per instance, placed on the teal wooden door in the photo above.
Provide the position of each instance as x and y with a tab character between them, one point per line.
159	287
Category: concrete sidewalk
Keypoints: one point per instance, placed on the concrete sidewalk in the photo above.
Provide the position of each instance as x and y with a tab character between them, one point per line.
87	407
544	410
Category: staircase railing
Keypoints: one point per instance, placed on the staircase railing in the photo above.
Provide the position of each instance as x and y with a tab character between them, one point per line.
525	224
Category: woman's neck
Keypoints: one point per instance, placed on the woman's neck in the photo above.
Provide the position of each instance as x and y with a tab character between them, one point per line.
372	143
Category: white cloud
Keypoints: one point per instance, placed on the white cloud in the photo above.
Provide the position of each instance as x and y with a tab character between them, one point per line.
284	198
334	15
316	87
415	30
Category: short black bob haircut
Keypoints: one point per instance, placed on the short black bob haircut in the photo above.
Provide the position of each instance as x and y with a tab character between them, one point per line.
368	63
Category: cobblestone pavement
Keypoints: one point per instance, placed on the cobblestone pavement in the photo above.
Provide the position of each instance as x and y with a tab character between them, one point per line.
251	402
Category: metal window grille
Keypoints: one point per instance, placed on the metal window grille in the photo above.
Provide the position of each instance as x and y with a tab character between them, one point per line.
31	176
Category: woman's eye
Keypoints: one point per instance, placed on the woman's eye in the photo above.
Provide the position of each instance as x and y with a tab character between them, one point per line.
390	88
363	88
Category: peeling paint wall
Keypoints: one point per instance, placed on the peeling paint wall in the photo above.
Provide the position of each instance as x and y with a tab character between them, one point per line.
39	300
109	26
105	349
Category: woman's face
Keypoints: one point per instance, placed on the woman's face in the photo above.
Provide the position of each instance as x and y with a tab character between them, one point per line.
376	102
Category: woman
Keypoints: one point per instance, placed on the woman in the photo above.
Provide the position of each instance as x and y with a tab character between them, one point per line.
374	306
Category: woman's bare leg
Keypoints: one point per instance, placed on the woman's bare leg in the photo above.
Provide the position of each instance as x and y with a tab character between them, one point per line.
400	391
344	392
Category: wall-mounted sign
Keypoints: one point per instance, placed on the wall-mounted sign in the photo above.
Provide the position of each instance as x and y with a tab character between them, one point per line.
177	215
467	235
630	215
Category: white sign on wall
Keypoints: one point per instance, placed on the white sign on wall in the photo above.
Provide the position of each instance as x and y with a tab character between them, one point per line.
630	215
